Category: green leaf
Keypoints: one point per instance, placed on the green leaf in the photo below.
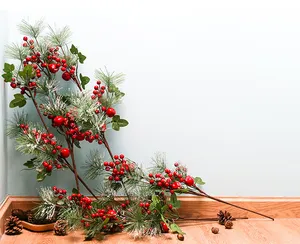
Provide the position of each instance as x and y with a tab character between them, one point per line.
176	228
174	201
7	77
41	176
30	163
27	73
73	49
164	208
81	57
84	80
77	144
155	201
75	191
123	122
19	101
8	68
116	118
115	126
199	181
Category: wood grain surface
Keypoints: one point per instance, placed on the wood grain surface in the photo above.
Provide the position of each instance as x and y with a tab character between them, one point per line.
251	231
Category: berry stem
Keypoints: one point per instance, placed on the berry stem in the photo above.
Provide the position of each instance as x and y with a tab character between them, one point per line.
71	148
39	112
209	219
80	179
203	194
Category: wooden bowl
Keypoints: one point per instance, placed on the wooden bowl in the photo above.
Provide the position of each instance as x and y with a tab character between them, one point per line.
38	228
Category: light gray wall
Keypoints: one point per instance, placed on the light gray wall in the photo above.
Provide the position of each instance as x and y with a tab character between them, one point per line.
214	84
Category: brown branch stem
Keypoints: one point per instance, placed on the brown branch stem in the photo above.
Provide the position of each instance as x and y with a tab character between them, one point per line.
80	179
209	219
71	148
203	194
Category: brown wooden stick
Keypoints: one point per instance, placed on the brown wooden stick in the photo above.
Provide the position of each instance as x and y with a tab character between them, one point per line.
209	219
203	194
80	179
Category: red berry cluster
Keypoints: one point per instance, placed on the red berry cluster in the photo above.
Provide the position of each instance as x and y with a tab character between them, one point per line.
125	204
171	180
48	143
145	207
97	93
59	193
84	202
72	129
109	213
118	168
53	61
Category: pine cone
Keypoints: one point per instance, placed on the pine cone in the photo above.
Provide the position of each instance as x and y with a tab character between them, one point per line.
30	217
60	227
223	217
228	224
13	226
19	213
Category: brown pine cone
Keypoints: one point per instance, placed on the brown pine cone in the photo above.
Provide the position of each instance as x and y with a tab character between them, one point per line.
19	213
13	226
30	217
60	227
228	224
223	217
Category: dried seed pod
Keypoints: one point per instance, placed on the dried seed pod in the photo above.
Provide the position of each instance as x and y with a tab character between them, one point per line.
215	230
180	237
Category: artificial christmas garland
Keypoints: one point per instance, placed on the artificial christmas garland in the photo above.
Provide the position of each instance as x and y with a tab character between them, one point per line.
149	205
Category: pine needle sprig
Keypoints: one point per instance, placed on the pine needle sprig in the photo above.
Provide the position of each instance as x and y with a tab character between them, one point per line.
15	51
94	165
109	77
73	214
48	208
159	163
85	112
139	224
32	30
13	126
59	37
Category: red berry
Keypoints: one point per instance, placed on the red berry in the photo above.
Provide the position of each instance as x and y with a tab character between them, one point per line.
176	185
151	181
97	111
13	85
189	181
64	152
117	178
170	206
25	38
141	205
49	168
110	112
60	196
164	227
167	171
150	175
176	164
45	164
66	76
116	157
98	82
52	68
58	120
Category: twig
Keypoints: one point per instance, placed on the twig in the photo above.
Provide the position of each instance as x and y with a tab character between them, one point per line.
209	219
80	179
203	194
70	146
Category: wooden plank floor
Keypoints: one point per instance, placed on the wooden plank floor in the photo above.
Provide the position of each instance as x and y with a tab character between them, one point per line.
251	231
